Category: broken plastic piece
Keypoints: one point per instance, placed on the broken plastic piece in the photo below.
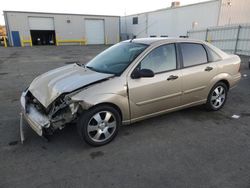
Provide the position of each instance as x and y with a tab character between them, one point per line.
235	116
21	128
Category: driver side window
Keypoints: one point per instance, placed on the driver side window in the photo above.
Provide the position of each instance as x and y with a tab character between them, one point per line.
160	59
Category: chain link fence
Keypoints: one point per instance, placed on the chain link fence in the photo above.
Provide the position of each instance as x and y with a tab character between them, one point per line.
232	39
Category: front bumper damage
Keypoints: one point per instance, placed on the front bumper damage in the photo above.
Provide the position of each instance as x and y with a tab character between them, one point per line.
36	120
43	123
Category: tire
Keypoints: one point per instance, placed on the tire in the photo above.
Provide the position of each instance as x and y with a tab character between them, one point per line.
217	97
99	125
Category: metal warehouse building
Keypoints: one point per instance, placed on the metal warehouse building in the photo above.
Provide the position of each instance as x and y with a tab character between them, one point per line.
33	28
176	20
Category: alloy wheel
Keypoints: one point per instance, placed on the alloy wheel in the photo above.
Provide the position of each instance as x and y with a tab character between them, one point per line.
101	126
218	97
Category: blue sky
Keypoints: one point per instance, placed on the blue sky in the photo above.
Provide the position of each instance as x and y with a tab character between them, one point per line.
105	7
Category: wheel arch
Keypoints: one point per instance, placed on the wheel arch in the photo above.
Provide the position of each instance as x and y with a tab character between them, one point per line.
222	77
117	101
82	110
111	105
225	82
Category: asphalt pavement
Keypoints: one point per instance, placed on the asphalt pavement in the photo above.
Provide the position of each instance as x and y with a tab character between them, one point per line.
189	148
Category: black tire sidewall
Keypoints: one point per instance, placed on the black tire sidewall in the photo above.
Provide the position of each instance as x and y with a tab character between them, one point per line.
82	124
208	104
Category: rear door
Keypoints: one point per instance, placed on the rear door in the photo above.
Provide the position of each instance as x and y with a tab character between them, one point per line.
149	96
197	72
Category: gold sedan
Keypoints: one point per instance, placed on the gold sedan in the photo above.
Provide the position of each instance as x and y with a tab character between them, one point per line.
130	81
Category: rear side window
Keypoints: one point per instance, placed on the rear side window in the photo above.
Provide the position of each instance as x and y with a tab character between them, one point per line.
212	56
193	54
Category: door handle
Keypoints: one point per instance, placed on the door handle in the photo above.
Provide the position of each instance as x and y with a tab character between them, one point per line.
208	69
172	77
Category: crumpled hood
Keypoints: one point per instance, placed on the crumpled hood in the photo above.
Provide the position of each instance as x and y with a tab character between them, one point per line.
48	86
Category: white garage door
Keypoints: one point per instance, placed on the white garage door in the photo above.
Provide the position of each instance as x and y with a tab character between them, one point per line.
40	23
94	31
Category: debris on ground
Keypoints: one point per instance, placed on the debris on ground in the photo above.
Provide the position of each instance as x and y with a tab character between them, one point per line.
235	116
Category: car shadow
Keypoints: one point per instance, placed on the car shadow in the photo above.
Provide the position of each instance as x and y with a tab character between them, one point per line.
68	138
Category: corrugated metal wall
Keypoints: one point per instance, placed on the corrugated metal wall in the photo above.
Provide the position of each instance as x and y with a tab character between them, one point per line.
232	39
234	12
172	22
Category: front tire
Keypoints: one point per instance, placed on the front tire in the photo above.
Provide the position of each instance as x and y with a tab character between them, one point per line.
99	125
217	97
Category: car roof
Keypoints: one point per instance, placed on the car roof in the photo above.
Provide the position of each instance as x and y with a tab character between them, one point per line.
162	40
153	40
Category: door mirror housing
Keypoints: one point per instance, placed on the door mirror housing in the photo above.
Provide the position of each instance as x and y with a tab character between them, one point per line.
143	73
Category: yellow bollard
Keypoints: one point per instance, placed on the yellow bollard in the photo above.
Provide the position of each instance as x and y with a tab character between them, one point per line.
57	44
30	41
118	38
22	44
209	39
106	40
5	42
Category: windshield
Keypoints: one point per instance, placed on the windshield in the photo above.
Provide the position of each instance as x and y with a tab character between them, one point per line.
116	59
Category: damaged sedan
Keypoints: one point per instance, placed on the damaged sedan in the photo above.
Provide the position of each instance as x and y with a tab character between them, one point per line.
130	81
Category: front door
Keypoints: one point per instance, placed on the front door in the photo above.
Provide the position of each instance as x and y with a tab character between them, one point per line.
16	38
150	96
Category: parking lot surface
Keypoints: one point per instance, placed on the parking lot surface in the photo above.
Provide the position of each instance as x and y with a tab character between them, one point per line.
188	148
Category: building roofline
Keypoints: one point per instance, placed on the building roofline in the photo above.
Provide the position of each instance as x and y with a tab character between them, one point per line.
54	13
170	8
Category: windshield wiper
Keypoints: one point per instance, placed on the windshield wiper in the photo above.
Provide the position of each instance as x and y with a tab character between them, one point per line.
79	64
104	72
91	68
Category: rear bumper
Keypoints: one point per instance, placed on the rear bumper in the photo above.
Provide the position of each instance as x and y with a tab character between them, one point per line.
36	120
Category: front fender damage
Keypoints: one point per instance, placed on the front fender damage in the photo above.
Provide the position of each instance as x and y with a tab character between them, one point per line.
46	121
62	111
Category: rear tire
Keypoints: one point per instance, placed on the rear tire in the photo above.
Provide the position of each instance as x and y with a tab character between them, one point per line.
99	125
217	96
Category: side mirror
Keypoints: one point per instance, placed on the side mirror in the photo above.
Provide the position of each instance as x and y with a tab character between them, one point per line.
143	73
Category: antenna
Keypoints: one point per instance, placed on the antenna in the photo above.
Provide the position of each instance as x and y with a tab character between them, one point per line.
147	26
131	40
